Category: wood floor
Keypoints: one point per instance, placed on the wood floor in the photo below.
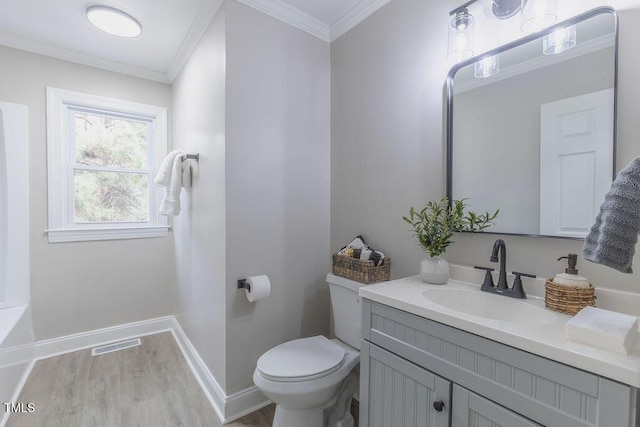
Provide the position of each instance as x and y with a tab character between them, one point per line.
148	386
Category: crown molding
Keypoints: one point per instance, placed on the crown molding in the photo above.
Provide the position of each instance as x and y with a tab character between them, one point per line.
292	16
206	14
80	58
539	62
354	16
274	8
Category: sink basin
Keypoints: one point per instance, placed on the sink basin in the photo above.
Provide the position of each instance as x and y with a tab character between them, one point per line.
489	306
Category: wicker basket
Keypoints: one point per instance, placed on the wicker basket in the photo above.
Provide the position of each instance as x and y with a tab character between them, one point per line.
361	271
568	299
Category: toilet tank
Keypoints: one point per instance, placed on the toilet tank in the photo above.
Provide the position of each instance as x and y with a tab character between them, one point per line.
346	307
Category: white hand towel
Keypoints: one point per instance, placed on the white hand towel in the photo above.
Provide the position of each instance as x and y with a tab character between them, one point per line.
163	176
170	205
603	328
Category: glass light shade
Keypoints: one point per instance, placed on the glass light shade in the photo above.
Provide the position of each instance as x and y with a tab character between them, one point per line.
538	15
461	36
487	67
559	41
114	21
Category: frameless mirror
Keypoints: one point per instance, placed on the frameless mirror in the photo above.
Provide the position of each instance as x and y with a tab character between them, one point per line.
536	138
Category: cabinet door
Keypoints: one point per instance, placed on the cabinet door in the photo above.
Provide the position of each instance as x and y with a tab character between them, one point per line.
394	392
471	410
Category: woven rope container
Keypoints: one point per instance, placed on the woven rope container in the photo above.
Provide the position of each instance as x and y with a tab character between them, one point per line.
568	299
361	271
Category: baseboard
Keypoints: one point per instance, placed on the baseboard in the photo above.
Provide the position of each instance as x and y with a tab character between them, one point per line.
205	378
70	343
228	408
243	403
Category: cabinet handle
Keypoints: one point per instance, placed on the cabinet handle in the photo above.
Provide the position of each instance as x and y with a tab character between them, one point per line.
438	405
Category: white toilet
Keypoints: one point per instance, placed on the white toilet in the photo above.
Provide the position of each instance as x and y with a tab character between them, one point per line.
312	380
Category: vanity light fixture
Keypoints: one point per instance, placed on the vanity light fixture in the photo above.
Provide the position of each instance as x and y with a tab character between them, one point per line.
504	9
461	26
559	41
538	15
114	21
487	67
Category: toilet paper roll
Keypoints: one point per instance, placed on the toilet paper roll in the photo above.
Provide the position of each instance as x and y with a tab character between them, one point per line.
260	288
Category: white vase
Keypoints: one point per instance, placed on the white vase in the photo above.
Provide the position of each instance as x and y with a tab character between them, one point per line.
434	270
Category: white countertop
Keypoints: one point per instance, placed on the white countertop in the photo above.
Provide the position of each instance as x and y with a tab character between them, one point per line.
546	340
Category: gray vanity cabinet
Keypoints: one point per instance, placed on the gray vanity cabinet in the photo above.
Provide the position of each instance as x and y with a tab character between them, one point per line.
400	393
471	410
408	362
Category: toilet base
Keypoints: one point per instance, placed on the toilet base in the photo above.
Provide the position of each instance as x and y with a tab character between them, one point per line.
308	418
336	413
312	417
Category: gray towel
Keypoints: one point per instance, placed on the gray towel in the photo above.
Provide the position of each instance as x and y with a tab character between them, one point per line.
612	239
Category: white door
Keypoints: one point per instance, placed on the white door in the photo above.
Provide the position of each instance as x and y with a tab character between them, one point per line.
576	162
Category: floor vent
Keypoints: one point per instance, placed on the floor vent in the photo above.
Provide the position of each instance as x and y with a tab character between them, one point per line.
110	348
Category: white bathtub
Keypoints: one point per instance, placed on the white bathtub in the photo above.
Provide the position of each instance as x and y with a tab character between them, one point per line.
16	331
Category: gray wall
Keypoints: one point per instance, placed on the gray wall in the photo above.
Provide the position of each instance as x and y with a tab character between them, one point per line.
387	77
199	230
254	101
277	185
387	138
78	287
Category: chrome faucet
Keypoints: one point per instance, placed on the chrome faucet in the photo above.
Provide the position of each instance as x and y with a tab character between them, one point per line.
502	276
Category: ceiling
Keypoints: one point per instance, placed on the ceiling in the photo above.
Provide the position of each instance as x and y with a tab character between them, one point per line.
171	29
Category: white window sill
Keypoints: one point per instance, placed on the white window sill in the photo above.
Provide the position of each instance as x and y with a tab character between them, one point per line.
92	234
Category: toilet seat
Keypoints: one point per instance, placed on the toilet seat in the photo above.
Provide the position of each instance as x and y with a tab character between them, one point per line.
301	360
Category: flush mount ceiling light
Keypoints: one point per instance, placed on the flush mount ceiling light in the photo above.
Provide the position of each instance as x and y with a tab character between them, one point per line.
114	21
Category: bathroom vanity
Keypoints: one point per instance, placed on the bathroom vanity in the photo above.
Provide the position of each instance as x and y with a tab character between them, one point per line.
430	356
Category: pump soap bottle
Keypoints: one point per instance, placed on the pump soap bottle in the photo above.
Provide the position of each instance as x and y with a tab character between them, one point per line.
570	276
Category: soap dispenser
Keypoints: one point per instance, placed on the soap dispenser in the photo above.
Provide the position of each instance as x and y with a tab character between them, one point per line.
570	276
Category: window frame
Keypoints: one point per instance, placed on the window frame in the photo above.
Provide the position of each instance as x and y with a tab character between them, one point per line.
62	105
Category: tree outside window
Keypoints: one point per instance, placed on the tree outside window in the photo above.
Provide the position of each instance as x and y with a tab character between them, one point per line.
102	154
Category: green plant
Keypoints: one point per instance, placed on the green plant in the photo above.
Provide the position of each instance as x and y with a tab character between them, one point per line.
435	224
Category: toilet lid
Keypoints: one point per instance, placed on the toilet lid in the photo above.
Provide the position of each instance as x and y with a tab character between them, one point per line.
304	358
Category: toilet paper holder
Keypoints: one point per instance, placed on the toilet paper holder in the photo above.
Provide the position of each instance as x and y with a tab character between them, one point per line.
243	284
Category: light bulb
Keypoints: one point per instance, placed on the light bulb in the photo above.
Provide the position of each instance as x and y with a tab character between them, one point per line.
461	36
487	67
559	41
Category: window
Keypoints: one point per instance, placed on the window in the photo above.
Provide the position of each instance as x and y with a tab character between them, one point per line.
102	154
